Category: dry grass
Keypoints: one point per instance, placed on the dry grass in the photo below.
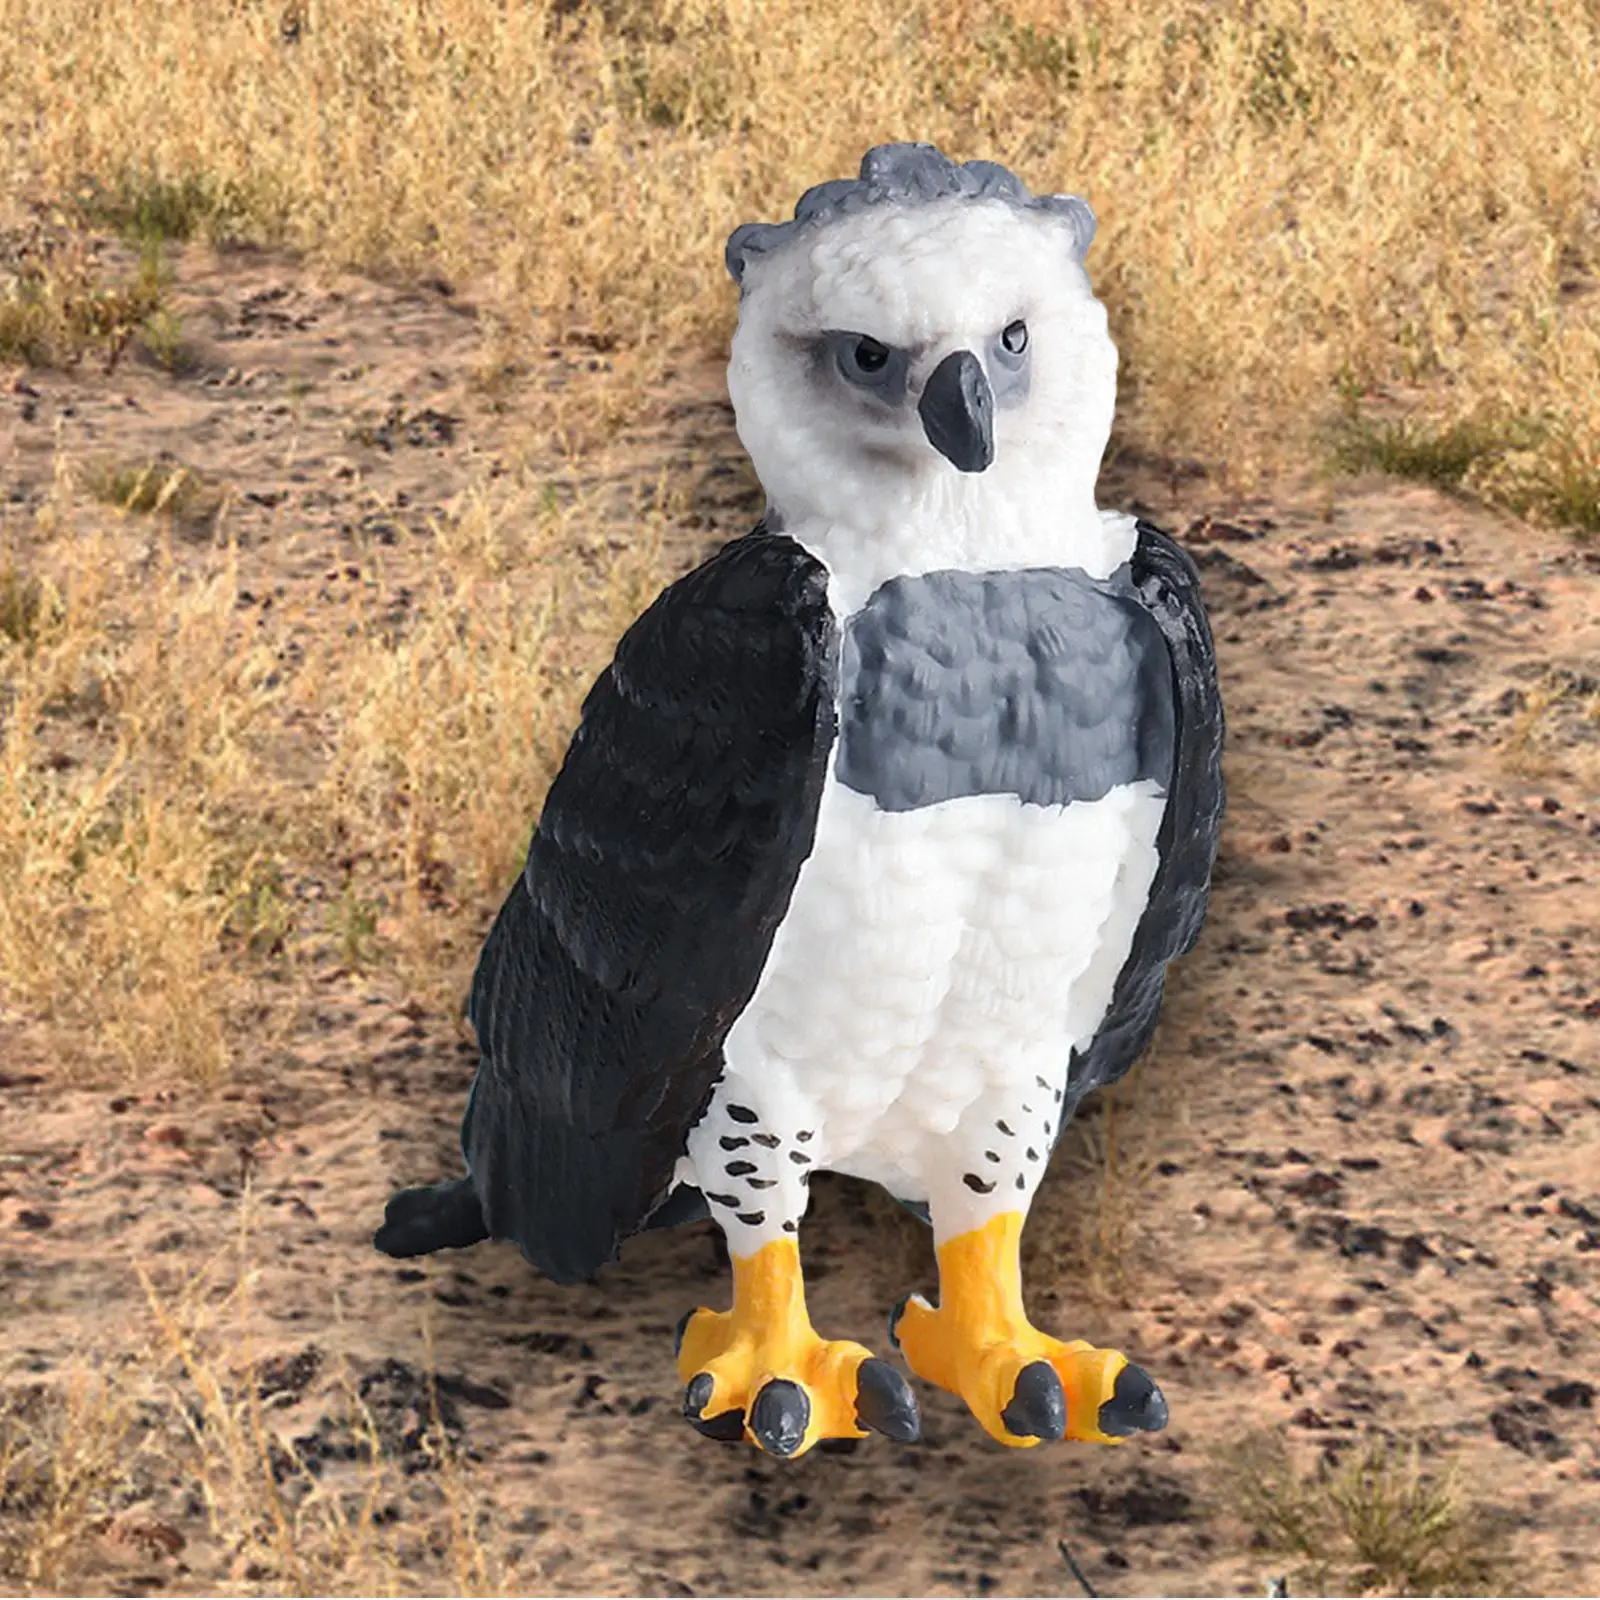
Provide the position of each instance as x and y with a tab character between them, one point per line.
57	305
290	1519
1375	1520
1085	1225
454	720
62	1469
1556	728
101	1463
1086	1230
134	706
188	496
200	803
1361	199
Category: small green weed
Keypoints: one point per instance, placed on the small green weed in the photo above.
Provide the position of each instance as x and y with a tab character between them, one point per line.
262	914
1376	1520
1022	50
1406	447
56	307
355	927
147	209
157	487
25	606
161	338
1537	467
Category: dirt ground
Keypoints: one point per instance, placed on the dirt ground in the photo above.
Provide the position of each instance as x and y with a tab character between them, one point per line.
1358	1180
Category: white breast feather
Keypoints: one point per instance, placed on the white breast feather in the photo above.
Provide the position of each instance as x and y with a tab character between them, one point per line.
936	960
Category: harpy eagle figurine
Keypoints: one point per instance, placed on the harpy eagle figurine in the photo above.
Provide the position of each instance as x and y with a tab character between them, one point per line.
877	835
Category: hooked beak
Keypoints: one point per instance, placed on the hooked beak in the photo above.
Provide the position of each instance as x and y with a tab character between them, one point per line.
957	411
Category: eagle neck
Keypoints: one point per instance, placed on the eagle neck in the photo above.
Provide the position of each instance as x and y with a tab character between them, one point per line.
860	554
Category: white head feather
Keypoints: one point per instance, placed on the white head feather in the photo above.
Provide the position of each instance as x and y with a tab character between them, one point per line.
850	472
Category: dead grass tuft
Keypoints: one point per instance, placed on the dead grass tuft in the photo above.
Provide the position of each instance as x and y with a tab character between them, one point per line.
1556	727
314	1514
63	1469
57	304
1555	480
130	781
1377	1520
188	1439
24	605
1086	1233
159	488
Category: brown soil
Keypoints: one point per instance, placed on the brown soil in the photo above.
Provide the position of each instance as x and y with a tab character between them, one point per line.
1359	1179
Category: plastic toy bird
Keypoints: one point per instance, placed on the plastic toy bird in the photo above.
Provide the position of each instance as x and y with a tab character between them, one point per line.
877	834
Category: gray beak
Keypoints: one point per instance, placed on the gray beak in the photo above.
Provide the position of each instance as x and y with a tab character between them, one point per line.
957	411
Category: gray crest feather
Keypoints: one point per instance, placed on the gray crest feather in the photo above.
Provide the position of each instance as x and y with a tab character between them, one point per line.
905	175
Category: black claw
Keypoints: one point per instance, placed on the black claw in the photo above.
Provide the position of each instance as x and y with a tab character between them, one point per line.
1038	1408
696	1395
727	1427
1136	1405
778	1418
895	1315
884	1401
677	1337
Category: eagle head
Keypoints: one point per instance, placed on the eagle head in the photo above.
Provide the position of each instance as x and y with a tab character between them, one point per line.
921	339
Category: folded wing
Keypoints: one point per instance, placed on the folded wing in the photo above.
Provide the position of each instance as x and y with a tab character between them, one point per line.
662	864
1168	584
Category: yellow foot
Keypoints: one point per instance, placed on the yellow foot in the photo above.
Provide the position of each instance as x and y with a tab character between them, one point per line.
1022	1385
760	1371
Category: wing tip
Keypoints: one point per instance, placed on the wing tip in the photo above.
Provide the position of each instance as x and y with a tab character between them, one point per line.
441	1216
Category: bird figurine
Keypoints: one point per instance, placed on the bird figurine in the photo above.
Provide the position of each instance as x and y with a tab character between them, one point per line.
876	836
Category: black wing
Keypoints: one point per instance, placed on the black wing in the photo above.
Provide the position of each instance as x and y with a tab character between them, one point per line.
1167	583
662	864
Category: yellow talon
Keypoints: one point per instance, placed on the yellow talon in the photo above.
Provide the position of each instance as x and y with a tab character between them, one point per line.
762	1369
1021	1384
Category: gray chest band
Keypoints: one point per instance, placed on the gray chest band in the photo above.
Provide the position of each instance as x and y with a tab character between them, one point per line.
1045	684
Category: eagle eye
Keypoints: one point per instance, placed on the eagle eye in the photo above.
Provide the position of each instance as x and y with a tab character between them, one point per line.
862	358
878	369
871	356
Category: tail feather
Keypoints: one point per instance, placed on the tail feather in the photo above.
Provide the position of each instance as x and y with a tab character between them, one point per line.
444	1216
